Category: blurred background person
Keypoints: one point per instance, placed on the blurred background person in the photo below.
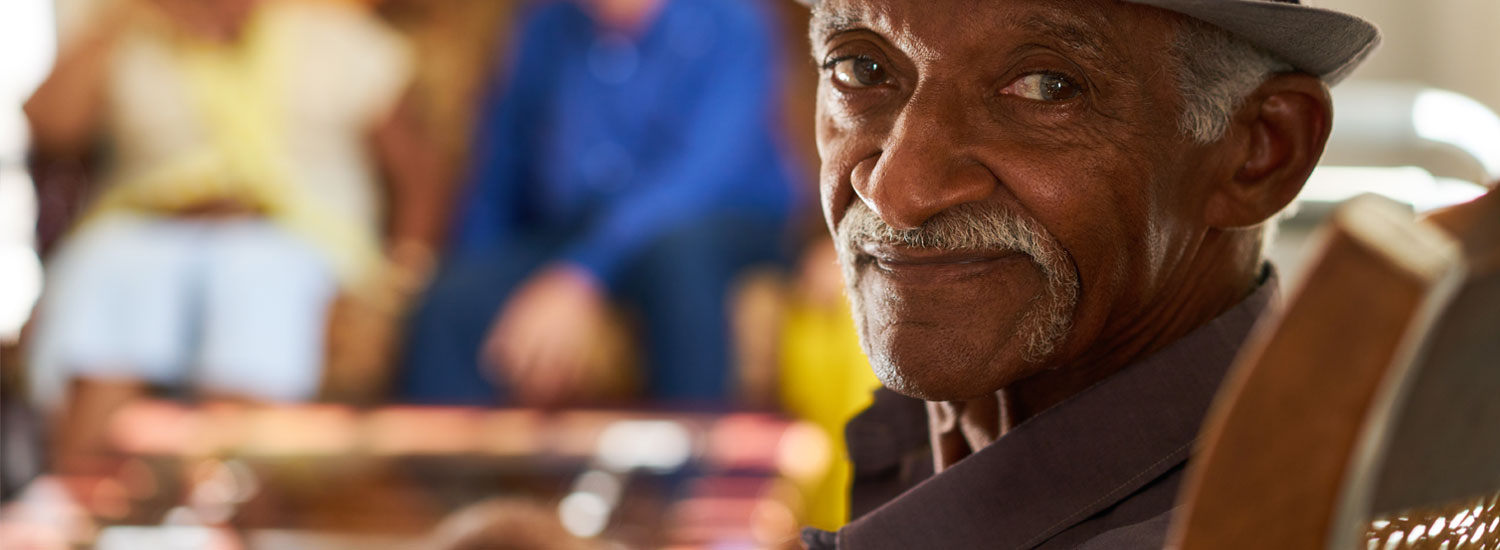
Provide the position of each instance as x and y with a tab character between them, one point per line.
628	155
243	144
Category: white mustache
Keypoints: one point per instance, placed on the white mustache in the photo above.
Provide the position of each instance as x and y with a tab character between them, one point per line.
967	226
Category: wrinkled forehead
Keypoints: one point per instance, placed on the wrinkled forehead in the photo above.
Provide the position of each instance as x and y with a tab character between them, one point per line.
1096	29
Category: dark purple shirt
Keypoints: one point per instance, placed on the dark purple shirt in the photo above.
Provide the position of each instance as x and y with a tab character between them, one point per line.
1099	471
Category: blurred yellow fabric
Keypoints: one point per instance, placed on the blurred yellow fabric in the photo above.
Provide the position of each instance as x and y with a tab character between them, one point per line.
252	106
825	379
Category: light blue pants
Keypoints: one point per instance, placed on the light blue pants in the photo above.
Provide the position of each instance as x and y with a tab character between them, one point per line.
233	306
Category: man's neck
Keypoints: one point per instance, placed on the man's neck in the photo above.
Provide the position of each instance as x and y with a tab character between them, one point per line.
958	428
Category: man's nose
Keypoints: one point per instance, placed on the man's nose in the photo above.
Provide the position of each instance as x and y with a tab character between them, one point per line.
926	166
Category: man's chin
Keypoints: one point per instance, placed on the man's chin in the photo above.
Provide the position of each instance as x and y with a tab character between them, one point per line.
948	359
952	380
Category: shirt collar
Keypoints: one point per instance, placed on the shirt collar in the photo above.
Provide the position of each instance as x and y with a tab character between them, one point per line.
1075	459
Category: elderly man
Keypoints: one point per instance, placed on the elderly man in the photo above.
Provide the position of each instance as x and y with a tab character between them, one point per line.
1051	215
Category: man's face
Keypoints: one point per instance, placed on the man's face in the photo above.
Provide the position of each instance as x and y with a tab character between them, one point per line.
1006	180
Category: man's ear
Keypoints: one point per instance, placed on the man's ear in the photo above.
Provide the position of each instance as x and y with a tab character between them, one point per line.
1277	138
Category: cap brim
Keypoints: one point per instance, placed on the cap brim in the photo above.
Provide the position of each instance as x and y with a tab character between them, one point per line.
1321	42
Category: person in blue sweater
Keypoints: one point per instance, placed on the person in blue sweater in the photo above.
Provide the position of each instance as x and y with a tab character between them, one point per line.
630	155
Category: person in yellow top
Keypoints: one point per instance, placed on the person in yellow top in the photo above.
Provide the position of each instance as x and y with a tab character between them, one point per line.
824	376
246	145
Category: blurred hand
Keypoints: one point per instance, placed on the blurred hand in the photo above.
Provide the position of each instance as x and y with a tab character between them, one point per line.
548	335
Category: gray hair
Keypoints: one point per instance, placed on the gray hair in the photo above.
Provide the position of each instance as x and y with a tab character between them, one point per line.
1216	71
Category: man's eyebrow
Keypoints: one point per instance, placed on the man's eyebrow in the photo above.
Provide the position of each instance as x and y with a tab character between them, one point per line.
826	22
1073	33
1076	34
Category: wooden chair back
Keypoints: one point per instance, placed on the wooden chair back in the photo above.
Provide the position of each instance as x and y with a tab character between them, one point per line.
1370	406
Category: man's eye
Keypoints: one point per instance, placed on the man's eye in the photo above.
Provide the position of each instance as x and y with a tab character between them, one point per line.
858	72
1044	87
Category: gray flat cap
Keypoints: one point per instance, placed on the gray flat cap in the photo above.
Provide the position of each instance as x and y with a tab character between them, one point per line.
1317	41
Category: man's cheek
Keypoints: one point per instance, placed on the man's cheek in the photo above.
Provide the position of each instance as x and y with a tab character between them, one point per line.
823	133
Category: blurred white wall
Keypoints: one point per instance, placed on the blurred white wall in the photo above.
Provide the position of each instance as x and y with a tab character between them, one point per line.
1449	44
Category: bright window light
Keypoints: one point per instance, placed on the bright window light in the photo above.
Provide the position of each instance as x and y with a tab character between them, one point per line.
28	38
1406	184
20	270
1455	119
